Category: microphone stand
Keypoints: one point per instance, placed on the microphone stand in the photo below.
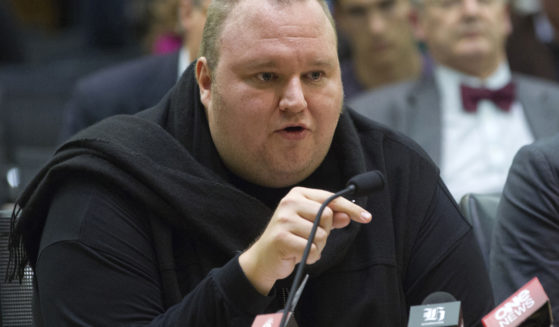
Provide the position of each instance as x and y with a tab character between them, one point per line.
299	273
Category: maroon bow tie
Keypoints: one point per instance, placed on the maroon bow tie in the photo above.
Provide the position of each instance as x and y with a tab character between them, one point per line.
502	97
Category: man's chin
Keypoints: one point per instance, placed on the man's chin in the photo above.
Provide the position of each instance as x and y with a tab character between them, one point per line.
289	169
285	176
477	48
286	179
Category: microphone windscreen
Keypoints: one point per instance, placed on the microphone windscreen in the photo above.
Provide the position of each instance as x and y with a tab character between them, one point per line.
438	309
438	297
366	183
528	306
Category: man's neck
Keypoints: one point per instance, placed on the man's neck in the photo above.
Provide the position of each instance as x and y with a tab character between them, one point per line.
478	68
373	76
449	78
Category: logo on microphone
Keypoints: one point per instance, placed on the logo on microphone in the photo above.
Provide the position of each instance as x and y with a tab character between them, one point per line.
433	316
515	308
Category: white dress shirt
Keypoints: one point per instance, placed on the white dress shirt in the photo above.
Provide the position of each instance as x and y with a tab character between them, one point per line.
478	148
184	61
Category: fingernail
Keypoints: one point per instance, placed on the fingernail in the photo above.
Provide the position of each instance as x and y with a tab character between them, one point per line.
366	216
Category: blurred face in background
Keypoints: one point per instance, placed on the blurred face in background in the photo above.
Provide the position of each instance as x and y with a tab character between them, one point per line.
193	17
378	30
466	35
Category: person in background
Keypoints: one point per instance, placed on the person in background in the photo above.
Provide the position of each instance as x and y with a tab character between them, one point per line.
133	86
527	227
472	114
382	48
104	22
165	32
195	212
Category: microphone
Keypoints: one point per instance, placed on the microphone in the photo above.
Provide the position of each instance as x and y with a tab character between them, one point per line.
358	185
274	319
528	306
437	309
366	183
438	297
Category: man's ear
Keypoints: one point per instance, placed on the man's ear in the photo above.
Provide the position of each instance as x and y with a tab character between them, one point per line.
204	79
414	18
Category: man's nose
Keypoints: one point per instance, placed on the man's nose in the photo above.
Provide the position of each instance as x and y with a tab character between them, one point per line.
470	7
376	23
293	97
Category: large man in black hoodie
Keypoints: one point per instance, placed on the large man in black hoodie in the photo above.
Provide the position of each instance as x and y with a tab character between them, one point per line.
196	212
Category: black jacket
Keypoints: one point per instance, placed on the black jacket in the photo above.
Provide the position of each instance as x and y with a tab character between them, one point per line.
154	226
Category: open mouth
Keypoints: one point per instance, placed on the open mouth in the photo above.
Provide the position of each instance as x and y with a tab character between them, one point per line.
294	133
292	129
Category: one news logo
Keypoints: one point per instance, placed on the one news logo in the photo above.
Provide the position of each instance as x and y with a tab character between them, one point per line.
433	316
514	309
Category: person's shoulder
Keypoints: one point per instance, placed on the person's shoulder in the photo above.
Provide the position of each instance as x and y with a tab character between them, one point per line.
387	104
127	131
542	150
127	74
382	95
536	83
393	143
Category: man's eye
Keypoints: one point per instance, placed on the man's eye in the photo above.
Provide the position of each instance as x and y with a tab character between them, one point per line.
447	3
387	5
266	77
357	12
315	76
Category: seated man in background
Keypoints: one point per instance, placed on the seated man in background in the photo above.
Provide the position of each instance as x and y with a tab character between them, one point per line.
137	85
526	235
472	114
196	211
381	44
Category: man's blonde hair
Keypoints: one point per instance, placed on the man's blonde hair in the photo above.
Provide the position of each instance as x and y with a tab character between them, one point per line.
218	12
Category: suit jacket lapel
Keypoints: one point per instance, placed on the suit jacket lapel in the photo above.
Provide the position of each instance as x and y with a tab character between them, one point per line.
541	115
424	124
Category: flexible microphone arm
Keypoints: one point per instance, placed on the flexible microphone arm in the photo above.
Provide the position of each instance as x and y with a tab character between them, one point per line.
358	185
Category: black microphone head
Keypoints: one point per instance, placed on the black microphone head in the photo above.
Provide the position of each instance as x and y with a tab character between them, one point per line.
438	297
366	183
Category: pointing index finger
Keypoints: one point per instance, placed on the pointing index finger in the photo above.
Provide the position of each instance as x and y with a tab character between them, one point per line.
340	205
354	211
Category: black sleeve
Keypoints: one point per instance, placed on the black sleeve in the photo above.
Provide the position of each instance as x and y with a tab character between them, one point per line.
527	228
446	257
97	267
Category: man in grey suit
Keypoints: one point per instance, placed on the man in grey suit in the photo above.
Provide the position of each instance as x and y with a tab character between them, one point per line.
525	242
472	115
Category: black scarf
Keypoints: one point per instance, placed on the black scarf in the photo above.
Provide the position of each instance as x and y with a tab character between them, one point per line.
165	158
